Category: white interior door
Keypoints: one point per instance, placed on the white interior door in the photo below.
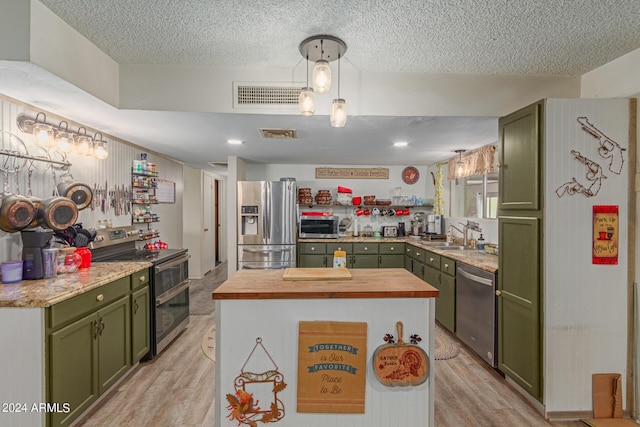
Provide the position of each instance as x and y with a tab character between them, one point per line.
208	220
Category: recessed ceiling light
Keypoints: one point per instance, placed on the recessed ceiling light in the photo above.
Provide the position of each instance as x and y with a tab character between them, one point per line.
234	141
400	144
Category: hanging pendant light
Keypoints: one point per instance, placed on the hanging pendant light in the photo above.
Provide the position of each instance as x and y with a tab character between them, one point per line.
321	73
459	163
307	99
323	49
338	117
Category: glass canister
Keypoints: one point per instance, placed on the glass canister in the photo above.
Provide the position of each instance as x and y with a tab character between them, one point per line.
68	260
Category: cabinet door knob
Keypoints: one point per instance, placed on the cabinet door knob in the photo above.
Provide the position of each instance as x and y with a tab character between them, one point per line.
499	165
418	254
142	279
100	297
391	248
498	293
339	248
206	229
430	259
446	266
312	248
366	248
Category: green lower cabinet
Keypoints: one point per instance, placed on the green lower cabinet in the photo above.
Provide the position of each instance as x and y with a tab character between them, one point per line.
418	269
446	284
73	368
140	324
312	260
114	342
364	261
391	261
446	314
408	263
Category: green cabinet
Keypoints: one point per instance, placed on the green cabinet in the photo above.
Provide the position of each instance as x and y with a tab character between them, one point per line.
520	213
73	372
519	159
312	254
92	341
365	255
391	255
140	324
440	272
140	316
359	255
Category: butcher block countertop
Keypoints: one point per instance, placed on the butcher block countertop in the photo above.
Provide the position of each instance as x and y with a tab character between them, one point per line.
47	292
364	283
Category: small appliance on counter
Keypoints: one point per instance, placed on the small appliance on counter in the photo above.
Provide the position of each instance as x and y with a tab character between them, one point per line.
389	231
33	243
434	224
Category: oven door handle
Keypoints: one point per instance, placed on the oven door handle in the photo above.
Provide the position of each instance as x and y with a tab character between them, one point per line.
166	265
170	294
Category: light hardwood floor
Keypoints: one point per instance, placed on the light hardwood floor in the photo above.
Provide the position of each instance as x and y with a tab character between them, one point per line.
177	388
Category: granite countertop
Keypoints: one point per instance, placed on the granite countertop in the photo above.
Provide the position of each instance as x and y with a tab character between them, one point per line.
472	257
47	292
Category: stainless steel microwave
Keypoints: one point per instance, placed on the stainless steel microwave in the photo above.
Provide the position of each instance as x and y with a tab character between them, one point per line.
318	227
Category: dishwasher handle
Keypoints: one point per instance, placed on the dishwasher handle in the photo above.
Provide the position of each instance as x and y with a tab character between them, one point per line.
477	279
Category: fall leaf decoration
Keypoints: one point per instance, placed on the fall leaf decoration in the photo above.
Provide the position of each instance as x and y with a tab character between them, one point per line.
243	409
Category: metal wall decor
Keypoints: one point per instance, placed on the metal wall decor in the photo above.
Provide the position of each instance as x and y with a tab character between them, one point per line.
608	149
256	394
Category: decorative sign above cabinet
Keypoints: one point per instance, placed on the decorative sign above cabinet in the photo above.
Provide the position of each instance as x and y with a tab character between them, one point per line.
352	173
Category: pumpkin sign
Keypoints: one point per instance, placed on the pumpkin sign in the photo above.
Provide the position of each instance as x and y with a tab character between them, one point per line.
401	364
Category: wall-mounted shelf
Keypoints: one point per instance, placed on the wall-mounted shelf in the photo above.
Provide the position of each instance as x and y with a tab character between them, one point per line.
143	193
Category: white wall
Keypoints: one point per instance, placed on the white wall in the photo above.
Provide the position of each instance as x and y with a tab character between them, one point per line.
585	304
616	79
115	170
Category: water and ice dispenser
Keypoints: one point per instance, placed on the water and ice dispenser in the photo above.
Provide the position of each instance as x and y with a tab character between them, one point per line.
249	220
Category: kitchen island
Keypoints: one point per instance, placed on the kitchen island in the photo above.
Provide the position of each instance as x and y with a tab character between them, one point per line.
259	304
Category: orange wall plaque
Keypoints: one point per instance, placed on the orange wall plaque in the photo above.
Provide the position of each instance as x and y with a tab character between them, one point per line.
332	359
605	235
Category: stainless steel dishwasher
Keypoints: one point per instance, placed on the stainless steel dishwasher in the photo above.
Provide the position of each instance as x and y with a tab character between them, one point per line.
476	311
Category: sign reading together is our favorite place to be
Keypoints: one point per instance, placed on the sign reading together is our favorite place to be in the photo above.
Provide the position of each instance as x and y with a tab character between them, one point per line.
332	367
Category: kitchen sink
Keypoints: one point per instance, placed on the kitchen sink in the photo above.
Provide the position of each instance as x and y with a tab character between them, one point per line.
445	246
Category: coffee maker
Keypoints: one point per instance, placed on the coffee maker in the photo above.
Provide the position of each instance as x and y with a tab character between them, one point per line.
33	242
434	224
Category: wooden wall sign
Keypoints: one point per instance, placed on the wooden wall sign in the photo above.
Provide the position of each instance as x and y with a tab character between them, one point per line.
605	235
332	359
352	173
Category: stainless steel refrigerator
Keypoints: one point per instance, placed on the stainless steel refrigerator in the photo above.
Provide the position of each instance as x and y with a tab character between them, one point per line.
266	224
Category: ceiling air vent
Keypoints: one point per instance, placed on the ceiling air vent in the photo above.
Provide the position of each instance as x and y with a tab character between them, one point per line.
256	95
278	133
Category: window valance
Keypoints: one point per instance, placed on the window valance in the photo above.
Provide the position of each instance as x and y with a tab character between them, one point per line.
477	162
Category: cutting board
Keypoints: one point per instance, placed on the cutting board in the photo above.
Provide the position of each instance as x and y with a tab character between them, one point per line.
316	274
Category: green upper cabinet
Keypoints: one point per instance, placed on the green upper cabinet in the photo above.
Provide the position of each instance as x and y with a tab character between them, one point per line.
519	159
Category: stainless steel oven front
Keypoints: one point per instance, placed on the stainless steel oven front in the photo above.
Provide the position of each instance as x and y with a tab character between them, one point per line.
171	299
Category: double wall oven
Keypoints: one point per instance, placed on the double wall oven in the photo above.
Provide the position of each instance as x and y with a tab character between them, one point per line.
169	281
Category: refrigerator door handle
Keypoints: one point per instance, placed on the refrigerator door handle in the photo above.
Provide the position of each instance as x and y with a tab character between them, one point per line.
266	213
265	251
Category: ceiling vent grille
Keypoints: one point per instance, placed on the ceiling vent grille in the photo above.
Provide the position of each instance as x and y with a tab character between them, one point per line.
278	133
272	95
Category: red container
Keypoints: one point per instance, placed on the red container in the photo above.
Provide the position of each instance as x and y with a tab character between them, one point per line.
85	255
356	200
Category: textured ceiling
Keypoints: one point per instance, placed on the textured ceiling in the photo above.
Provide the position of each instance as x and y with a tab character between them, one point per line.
531	37
490	37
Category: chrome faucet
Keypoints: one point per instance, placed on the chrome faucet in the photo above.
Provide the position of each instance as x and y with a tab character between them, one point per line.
465	230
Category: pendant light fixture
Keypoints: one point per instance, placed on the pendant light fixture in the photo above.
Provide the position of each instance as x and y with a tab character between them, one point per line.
459	163
307	100
321	73
338	116
321	50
